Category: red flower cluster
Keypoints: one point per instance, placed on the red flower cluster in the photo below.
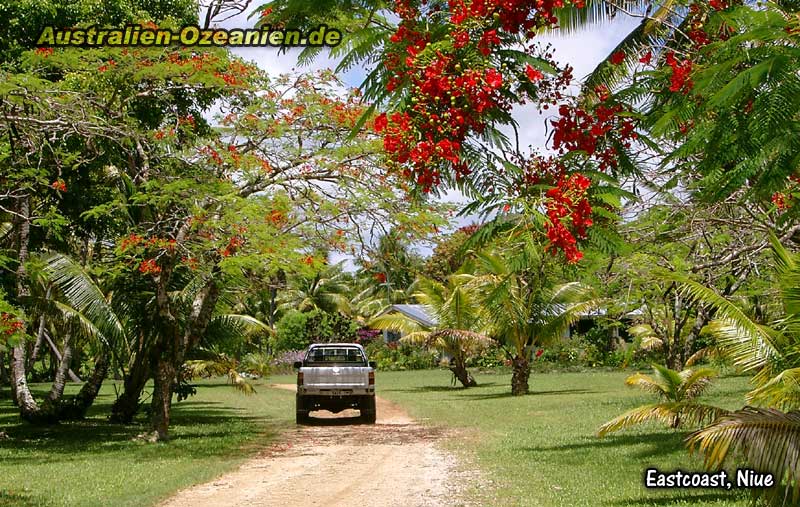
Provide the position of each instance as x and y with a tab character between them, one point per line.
233	245
380	277
618	58
44	52
780	200
447	107
533	74
718	5
680	81
110	63
59	185
577	129
448	103
512	15
212	154
10	324
135	240
132	240
149	266
568	201
277	218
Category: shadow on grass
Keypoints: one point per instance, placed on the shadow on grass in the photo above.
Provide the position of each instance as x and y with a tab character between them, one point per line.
75	440
657	444
507	394
11	499
441	389
679	499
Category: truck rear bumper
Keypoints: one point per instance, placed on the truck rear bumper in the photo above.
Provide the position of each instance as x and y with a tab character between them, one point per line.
334	403
336	391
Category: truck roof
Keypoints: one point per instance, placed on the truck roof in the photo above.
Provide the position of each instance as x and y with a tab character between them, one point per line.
315	345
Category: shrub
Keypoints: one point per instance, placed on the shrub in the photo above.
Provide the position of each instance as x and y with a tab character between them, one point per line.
291	332
284	362
393	356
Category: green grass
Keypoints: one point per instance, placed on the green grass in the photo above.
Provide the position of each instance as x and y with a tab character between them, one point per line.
96	463
540	449
536	450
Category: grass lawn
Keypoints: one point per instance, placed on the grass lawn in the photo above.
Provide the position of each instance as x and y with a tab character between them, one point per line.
93	462
536	450
540	449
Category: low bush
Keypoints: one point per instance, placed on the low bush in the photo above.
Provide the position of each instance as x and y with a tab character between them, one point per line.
395	356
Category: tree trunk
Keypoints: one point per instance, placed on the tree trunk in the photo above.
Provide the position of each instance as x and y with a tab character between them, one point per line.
80	404
72	376
28	407
40	333
127	405
60	380
463	375
4	378
521	372
162	397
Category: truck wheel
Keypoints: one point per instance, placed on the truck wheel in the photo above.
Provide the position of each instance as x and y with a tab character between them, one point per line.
301	414
367	409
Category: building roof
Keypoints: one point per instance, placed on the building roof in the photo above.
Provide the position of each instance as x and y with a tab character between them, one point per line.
418	313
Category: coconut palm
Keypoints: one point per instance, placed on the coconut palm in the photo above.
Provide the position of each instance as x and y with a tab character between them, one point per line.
327	290
457	314
768	438
523	309
678	391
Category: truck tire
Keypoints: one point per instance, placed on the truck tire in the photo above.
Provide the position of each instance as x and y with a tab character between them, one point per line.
367	409
301	413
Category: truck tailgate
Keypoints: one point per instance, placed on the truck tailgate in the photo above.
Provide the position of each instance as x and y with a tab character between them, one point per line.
336	377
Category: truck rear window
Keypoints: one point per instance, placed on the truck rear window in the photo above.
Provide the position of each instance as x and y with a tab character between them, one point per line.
336	355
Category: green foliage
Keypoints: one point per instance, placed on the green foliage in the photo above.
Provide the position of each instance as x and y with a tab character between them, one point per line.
25	19
291	332
297	330
738	127
448	256
396	356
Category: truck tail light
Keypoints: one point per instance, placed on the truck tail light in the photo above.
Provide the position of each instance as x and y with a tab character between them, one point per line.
372	378
299	378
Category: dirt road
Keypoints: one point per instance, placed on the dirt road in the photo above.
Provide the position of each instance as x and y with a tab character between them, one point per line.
337	462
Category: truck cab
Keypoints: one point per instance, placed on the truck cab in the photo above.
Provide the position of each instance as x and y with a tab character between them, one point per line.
335	377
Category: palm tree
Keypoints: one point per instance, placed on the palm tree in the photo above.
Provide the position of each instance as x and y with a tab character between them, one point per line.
457	314
523	309
327	290
678	391
768	438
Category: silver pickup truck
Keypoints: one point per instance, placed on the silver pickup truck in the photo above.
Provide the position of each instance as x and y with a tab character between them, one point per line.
335	377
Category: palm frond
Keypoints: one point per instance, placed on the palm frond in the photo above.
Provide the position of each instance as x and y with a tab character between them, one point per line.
768	439
84	295
782	391
396	322
668	413
646	383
